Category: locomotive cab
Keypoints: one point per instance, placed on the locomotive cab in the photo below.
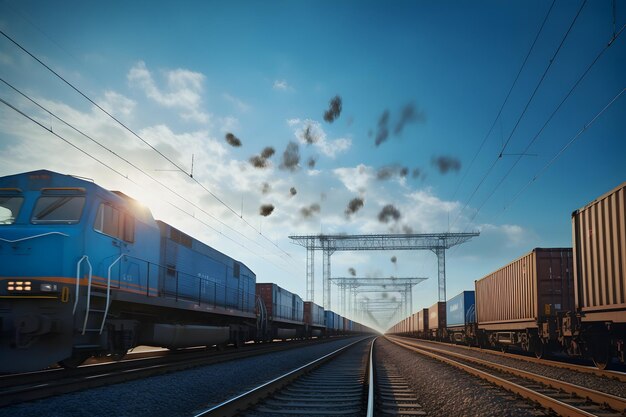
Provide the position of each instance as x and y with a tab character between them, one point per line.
65	243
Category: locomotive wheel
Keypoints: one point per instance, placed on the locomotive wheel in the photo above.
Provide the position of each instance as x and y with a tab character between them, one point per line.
74	361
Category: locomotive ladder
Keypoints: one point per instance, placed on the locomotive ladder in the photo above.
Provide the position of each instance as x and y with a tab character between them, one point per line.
88	308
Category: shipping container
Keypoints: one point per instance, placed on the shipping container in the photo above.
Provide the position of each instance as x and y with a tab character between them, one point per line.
313	314
281	305
422	321
437	318
460	310
599	239
193	271
526	291
332	320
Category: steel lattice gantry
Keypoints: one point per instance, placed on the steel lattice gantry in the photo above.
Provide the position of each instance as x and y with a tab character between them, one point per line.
329	244
354	285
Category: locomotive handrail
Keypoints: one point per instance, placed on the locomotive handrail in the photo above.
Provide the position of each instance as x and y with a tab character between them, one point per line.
88	296
85	257
106	308
34	237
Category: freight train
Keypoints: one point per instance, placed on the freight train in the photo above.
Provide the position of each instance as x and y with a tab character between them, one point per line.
85	271
558	299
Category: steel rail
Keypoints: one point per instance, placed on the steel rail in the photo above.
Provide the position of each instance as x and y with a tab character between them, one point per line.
242	401
618	376
614	402
370	381
16	388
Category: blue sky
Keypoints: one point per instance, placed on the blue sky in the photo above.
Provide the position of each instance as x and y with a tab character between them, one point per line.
183	76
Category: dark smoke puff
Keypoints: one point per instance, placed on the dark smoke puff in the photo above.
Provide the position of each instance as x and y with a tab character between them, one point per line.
311	162
354	205
388	213
408	115
293	191
352	271
334	109
265	188
258	162
383	129
266	210
267	152
310	211
394	259
291	157
404	171
446	164
408	230
232	140
309	136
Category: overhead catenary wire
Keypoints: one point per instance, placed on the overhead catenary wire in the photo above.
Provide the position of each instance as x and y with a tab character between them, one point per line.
11	106
563	149
76	89
165	186
554	112
545	72
506	99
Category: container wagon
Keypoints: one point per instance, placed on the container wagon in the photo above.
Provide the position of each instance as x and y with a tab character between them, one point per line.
285	311
461	318
597	325
517	304
437	321
314	319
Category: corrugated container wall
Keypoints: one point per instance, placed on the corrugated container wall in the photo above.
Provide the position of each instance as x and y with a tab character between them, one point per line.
599	236
437	316
460	309
528	289
313	314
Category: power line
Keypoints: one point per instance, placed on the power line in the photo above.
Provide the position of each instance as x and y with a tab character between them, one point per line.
125	160
141	139
523	112
554	112
543	76
482	144
563	149
124	176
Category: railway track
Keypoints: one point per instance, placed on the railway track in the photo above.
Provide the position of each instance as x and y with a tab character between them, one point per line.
17	388
592	370
561	397
335	384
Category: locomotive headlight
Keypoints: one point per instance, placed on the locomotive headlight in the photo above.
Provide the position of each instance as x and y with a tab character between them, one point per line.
19	286
48	287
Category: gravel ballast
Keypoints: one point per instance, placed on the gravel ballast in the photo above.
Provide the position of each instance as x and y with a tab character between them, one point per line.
181	393
595	382
443	390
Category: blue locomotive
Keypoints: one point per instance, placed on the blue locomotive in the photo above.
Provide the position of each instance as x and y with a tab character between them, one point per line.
89	272
86	271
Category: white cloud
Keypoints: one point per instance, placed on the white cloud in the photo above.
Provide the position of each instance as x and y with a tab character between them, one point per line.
116	103
314	129
357	179
281	85
239	104
184	89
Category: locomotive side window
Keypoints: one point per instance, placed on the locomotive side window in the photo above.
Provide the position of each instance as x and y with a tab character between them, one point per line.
115	223
9	209
58	209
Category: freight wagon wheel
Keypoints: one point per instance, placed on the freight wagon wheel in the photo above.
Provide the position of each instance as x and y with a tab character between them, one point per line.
600	352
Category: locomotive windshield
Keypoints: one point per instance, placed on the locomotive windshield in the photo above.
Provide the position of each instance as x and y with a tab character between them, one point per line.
9	209
58	209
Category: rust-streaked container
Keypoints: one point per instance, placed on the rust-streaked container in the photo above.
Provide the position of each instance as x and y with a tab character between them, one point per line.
437	316
599	238
526	291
